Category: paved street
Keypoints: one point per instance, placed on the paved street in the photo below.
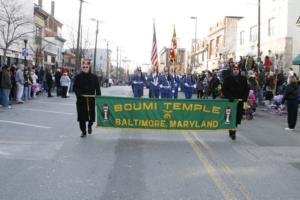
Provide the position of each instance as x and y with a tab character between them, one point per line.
42	157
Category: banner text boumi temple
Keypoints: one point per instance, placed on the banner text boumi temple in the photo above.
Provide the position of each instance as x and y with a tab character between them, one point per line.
178	114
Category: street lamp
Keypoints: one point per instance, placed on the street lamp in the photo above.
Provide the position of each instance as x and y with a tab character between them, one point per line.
195	42
95	51
25	52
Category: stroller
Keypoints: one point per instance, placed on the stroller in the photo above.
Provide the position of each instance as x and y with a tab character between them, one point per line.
250	106
275	107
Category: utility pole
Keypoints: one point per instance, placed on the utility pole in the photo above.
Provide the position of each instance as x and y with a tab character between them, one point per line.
107	61
78	63
258	31
95	51
195	42
117	71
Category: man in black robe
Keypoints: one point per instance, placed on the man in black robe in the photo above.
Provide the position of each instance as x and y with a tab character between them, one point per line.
86	83
236	86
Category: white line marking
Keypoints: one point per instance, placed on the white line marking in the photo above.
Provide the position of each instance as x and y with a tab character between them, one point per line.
47	111
24	124
65	104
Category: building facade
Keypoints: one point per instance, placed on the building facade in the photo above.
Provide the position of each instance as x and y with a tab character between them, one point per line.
222	41
279	32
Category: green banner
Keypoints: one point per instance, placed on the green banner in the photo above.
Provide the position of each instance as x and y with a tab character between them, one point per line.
179	114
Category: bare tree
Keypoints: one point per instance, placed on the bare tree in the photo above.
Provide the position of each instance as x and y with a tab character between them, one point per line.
12	24
84	46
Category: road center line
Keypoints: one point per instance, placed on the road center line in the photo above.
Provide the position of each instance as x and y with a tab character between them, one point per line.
24	124
47	111
224	167
212	172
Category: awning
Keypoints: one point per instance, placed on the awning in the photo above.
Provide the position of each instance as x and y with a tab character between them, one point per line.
296	60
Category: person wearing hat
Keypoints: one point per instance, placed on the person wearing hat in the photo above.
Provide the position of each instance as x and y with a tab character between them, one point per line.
235	86
86	83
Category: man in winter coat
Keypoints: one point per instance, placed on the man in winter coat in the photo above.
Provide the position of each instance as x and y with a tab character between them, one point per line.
20	83
86	83
235	86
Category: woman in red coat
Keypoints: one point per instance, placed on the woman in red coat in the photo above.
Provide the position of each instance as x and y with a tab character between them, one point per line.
268	64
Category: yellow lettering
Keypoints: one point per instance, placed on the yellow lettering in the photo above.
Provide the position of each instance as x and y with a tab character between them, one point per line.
144	122
176	106
215	124
192	123
124	122
216	110
167	104
172	123
118	122
198	107
179	124
148	106
162	123
204	109
187	107
137	106
118	108
127	107
209	124
203	124
185	124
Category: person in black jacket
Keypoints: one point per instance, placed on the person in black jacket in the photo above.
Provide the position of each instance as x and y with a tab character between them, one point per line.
86	83
49	81
235	86
291	98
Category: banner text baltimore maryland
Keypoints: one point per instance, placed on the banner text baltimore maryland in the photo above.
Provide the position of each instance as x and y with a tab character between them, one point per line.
179	114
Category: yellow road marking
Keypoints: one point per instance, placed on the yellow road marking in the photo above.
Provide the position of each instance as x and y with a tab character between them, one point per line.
224	167
226	192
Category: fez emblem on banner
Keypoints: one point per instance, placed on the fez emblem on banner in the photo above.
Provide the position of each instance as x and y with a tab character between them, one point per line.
105	112
227	115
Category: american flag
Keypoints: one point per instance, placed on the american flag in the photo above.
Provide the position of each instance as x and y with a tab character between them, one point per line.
154	58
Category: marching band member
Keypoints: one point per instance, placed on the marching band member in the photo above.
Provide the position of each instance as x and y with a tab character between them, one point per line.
189	85
165	84
138	82
154	87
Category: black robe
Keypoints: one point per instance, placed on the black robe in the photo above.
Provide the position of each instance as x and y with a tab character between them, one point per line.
236	87
86	84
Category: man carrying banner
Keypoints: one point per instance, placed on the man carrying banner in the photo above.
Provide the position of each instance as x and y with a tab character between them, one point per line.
86	86
138	82
165	82
235	86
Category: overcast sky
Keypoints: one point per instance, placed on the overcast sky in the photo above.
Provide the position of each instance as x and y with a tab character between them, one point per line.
128	23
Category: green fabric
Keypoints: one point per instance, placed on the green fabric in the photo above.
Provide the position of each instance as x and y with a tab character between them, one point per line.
296	61
179	114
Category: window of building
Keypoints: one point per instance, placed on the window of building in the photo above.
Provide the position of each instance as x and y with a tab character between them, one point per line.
242	37
271	26
253	34
39	31
52	59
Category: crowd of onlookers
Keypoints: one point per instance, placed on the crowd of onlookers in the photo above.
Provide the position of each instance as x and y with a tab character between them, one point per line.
19	84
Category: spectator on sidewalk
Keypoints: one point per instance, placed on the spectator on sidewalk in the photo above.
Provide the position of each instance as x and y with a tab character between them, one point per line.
291	98
20	83
6	86
49	81
65	82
